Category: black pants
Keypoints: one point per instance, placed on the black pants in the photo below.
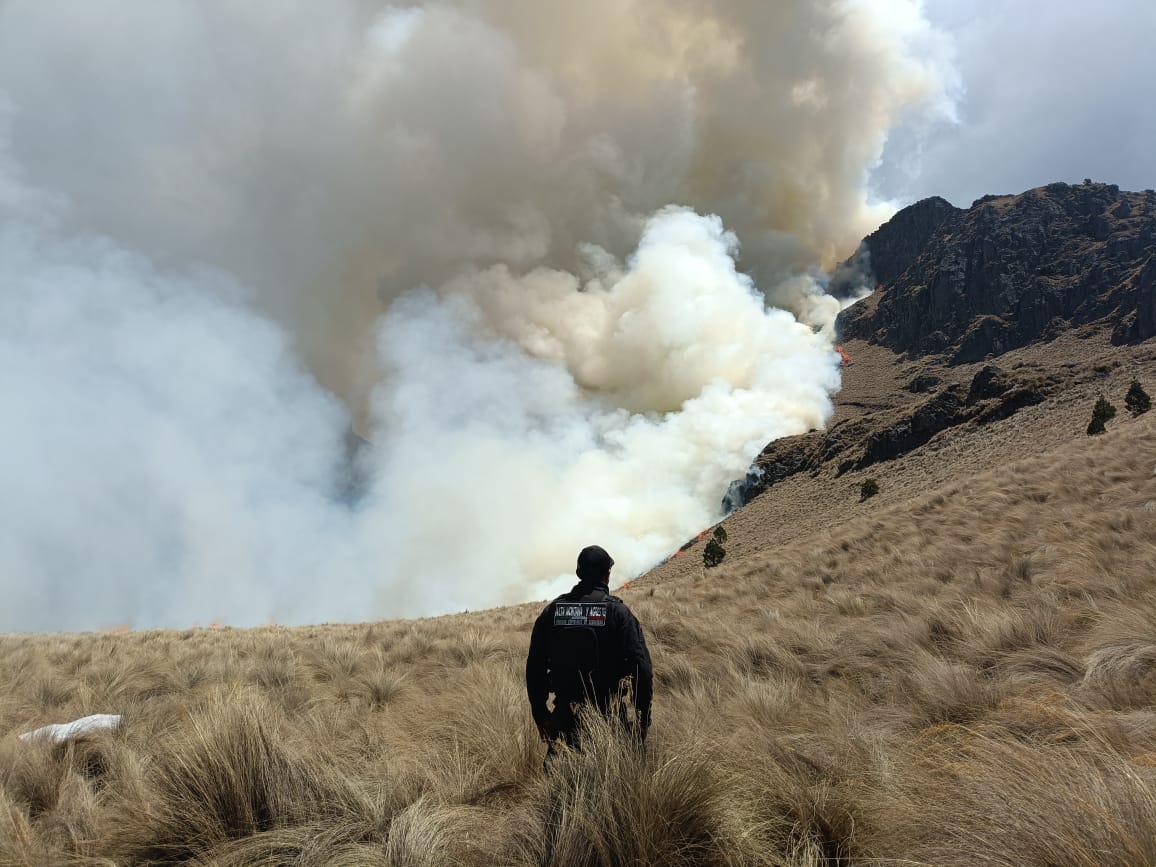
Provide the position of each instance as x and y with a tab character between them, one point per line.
564	724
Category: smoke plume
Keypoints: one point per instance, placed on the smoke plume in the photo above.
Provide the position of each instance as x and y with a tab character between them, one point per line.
525	249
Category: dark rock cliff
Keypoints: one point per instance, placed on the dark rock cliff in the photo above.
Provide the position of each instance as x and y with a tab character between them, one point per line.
893	247
1010	270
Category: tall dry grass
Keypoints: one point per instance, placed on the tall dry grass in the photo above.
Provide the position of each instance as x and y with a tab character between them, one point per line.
965	677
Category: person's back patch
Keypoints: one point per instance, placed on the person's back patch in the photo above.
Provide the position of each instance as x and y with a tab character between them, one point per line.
580	614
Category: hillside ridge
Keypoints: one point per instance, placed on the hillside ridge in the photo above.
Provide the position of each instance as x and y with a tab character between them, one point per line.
965	340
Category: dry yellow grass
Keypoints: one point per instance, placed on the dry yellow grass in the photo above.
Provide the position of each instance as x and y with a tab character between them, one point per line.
962	675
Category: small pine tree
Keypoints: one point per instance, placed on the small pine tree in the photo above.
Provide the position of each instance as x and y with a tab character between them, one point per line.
713	554
1102	413
868	489
1137	401
720	535
1103	410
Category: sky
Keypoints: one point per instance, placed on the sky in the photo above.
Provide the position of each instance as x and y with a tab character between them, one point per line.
1046	91
341	311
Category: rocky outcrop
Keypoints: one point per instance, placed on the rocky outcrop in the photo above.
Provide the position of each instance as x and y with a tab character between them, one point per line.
893	247
973	284
856	444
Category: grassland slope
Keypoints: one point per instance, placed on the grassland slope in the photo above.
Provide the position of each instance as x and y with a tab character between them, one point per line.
959	671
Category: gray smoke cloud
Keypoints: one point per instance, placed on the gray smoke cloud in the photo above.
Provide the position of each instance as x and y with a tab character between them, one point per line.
526	250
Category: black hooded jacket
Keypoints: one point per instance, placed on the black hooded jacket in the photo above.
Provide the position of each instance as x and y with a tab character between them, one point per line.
588	613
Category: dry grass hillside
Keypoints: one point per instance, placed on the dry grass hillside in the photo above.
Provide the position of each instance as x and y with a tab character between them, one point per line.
959	671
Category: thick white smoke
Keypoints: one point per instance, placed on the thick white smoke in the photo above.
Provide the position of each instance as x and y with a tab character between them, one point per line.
537	416
454	216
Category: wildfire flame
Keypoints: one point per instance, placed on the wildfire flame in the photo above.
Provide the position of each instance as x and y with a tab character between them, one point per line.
843	355
691	543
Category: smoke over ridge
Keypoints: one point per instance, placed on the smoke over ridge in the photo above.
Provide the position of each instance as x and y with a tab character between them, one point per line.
528	248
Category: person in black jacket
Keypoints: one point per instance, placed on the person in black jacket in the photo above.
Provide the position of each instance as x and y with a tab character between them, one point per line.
585	646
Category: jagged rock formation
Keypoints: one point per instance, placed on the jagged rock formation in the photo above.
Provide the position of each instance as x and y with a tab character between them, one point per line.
993	394
893	247
973	284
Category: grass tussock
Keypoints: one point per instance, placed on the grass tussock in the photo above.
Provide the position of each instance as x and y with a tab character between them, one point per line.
227	775
966	677
610	803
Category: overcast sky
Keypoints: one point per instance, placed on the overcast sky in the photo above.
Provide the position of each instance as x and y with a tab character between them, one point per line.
1051	91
